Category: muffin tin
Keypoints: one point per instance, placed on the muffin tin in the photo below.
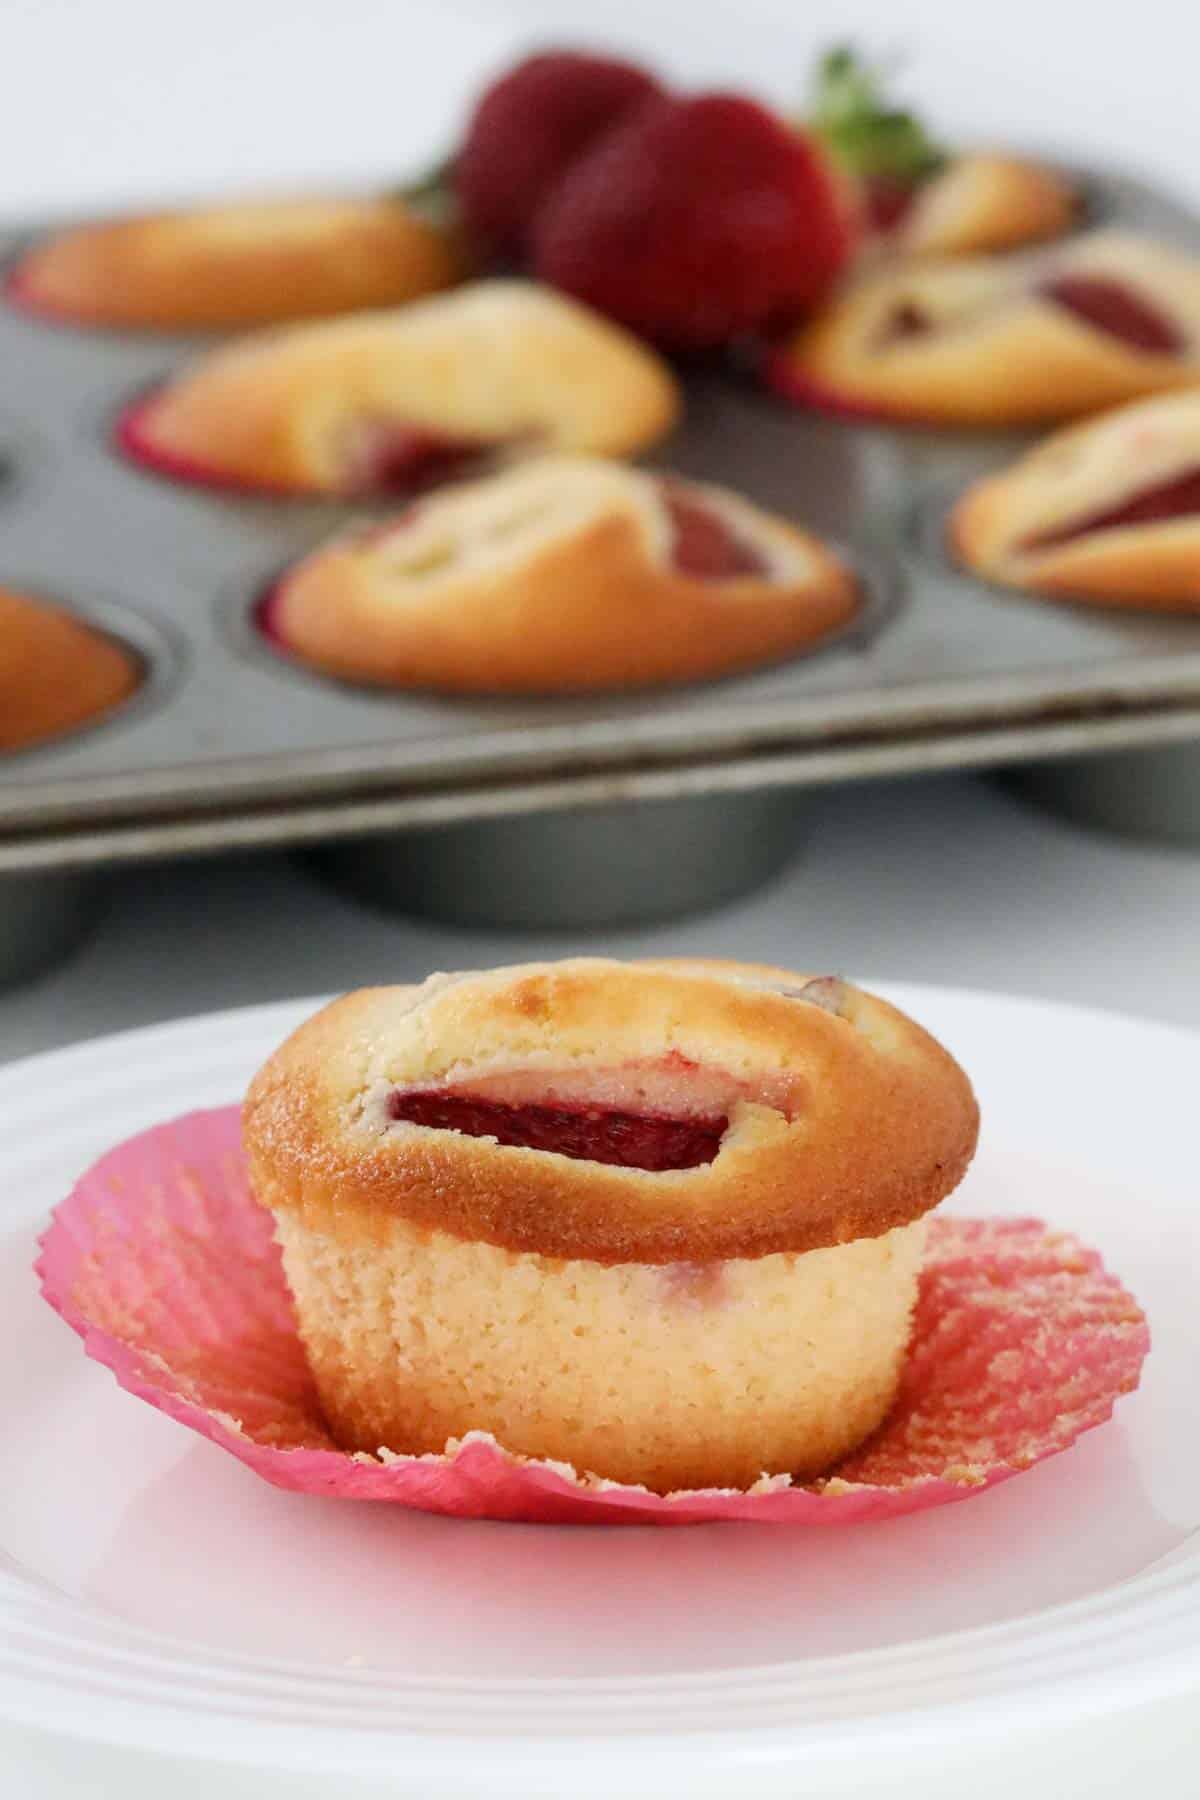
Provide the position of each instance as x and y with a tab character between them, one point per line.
231	744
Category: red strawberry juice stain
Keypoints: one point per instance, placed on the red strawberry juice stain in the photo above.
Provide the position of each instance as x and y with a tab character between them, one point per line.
888	201
385	456
1118	310
694	1286
1178	498
587	1133
704	546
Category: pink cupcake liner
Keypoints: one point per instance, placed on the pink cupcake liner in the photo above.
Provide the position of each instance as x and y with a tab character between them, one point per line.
164	1263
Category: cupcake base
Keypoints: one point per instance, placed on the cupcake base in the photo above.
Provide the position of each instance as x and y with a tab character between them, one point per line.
672	1376
168	1268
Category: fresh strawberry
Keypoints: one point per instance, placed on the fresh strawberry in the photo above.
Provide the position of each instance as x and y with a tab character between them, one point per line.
528	127
697	220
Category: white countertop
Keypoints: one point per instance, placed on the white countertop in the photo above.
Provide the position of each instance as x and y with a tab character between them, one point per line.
950	880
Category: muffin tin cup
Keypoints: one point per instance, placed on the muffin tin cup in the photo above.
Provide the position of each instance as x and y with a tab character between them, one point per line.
626	864
44	916
1152	794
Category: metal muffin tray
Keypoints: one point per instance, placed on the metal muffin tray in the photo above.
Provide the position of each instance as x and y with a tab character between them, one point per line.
230	744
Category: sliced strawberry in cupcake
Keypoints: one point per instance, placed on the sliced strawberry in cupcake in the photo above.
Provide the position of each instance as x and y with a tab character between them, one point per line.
562	575
389	402
1107	512
661	1221
1000	341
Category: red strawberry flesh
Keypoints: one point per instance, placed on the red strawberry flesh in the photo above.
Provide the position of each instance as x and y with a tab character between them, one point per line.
697	221
704	545
381	456
386	456
888	201
526	131
1118	310
1178	498
587	1133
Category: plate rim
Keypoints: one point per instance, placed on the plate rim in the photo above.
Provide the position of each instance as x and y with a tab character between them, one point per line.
155	1720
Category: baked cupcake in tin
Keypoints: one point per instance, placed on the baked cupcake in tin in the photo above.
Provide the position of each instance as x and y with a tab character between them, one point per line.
662	1221
1004	340
57	672
390	401
980	202
561	575
241	264
1107	512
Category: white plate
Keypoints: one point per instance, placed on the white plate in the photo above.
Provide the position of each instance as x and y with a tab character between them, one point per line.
155	1594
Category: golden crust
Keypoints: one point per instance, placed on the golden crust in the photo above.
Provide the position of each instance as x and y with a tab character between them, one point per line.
998	351
495	360
842	1124
243	264
1079	475
56	672
986	202
554	576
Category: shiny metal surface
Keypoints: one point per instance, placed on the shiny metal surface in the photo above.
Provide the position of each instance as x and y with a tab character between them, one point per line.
232	745
605	865
1145	793
43	916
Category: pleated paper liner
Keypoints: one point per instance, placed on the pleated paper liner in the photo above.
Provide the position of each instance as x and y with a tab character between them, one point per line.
166	1266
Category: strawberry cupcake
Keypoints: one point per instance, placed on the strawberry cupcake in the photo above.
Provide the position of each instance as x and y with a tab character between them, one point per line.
57	673
1107	513
385	402
1003	340
561	575
240	264
662	1221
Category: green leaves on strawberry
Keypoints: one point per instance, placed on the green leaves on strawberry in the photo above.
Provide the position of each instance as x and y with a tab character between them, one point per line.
885	148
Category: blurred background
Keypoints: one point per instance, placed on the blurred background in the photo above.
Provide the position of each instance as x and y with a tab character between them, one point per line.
946	878
134	100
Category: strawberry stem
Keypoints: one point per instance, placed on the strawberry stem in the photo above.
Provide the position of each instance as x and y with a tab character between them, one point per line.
432	195
871	139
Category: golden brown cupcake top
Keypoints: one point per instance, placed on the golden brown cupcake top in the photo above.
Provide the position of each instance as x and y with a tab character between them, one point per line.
1108	511
561	574
619	1112
985	201
367	403
240	264
56	672
1006	340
